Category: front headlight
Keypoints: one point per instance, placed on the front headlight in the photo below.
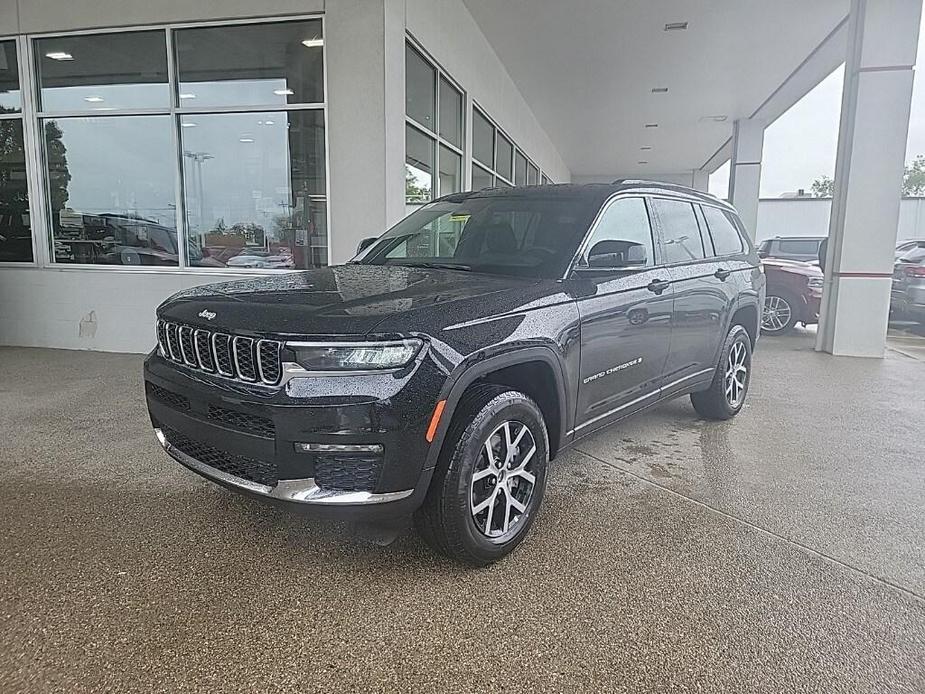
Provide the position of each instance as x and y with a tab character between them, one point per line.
358	356
815	282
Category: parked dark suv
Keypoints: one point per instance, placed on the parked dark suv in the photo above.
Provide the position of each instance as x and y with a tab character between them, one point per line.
440	371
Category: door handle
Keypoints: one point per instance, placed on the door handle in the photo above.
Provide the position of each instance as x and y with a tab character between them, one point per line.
658	286
722	274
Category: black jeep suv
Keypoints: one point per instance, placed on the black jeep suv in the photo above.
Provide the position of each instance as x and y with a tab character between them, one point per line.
440	371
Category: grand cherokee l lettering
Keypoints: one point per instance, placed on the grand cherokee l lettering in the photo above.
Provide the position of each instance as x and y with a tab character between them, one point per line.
439	372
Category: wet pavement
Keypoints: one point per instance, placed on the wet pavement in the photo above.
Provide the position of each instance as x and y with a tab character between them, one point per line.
782	551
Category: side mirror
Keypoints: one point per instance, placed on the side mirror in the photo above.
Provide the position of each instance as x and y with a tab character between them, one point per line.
617	254
366	243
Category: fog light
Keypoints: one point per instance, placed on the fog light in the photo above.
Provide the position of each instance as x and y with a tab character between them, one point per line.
339	447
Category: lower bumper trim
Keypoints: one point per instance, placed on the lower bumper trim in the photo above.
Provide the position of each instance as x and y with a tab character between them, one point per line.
302	491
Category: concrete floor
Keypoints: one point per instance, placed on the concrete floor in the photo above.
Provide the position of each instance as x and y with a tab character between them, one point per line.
782	551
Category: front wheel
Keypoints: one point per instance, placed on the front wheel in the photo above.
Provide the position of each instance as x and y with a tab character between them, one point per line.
726	394
491	477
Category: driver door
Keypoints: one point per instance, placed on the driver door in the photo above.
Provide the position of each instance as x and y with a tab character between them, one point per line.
624	300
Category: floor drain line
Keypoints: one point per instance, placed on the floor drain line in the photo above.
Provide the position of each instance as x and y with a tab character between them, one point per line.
758	528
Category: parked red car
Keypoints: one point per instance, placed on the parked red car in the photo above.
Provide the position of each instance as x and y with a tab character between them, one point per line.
794	291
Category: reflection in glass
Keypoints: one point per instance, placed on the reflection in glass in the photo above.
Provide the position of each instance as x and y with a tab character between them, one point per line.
250	64
419	166
15	223
419	88
505	153
450	171
481	178
483	139
450	113
111	190
10	96
102	72
251	183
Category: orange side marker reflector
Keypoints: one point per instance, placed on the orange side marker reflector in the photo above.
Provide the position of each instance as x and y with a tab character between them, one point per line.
435	421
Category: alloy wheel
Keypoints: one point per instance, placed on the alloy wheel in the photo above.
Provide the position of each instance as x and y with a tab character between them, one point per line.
776	315
736	376
503	480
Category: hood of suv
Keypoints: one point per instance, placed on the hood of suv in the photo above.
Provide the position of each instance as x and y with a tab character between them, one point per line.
340	300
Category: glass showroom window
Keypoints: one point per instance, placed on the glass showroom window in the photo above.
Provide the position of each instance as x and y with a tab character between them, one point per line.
230	130
433	131
15	221
496	161
110	178
252	141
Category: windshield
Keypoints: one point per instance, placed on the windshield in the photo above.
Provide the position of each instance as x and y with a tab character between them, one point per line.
525	236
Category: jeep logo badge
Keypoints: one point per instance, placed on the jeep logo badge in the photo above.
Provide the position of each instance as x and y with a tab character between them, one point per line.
207	314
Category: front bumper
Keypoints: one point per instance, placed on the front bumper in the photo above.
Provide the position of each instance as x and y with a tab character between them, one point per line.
246	437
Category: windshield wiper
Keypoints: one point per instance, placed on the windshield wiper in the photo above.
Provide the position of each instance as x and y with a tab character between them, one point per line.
437	265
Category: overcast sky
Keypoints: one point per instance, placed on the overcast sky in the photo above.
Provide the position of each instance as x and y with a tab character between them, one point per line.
800	145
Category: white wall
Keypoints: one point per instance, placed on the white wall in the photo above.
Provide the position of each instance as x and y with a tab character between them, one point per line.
810	217
448	32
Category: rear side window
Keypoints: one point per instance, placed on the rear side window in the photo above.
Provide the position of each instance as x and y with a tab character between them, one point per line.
726	239
798	246
680	232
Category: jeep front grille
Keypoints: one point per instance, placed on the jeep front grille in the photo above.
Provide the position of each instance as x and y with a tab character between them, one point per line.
232	356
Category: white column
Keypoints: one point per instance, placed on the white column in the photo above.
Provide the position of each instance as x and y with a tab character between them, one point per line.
877	95
365	54
745	170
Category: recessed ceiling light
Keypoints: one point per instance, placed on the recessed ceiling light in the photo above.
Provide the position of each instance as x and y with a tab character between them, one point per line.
269	122
189	125
246	140
59	55
645	148
714	119
187	95
93	99
659	90
283	92
676	26
651	125
642	162
313	43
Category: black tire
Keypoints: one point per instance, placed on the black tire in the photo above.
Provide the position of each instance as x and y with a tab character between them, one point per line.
713	403
445	520
780	298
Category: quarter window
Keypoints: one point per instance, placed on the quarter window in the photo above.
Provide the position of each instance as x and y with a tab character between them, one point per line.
623	237
679	230
726	239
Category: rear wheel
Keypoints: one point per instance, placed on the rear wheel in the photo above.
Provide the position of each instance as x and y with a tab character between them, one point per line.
726	394
780	313
491	477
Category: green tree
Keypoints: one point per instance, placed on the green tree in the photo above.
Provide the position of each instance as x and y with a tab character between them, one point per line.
914	177
823	187
413	191
58	174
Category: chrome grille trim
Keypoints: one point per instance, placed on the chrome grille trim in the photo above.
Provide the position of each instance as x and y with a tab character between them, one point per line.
246	359
203	344
273	347
184	334
225	352
251	374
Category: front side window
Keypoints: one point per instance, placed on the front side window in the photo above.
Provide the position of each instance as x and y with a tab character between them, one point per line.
622	237
15	219
680	232
498	234
726	239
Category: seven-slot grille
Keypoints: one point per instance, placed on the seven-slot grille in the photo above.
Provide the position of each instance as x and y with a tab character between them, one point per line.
232	356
